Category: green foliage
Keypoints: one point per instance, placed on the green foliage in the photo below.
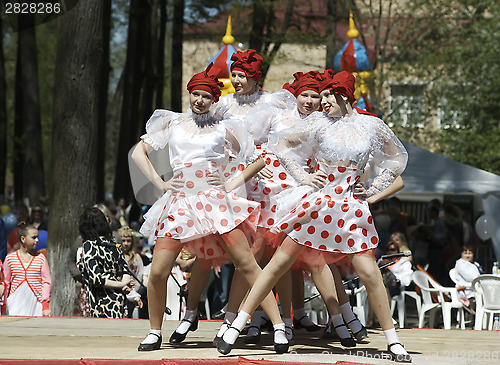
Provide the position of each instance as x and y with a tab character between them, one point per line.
456	46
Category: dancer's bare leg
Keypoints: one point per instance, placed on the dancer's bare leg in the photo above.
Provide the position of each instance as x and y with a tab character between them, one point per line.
200	273
281	261
163	262
357	329
236	245
323	279
197	283
370	275
300	318
284	290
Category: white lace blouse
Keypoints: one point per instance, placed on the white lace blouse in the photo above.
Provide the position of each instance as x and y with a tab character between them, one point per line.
351	141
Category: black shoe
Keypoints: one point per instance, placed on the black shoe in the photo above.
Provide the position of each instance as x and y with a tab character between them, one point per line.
329	333
216	341
281	348
252	340
177	337
290	330
398	357
151	346
346	341
218	315
298	325
266	325
223	347
361	334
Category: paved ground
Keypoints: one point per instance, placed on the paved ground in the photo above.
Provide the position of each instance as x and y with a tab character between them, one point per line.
75	338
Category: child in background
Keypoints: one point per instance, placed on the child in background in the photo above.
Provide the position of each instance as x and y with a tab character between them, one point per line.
27	276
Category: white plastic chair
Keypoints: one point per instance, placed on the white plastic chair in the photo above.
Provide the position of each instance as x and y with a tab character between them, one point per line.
487	289
400	301
361	307
428	286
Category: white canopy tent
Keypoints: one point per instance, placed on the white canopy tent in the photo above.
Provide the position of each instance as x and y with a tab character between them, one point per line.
432	173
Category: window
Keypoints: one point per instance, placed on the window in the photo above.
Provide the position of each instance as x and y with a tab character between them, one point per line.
406	103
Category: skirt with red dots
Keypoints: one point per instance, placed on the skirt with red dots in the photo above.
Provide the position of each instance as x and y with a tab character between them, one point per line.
265	190
197	211
330	222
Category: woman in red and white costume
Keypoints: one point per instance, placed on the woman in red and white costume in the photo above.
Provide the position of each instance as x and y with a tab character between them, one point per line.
328	222
195	211
27	277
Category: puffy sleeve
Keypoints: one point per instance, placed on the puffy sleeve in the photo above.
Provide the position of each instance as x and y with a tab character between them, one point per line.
260	119
388	157
297	144
157	128
238	141
158	131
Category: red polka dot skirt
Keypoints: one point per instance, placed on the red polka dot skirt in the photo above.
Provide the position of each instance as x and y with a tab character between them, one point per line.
199	210
331	220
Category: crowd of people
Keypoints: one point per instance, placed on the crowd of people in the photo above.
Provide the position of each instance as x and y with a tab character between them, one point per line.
276	184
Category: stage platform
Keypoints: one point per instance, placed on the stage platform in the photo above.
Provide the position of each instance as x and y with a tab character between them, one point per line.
75	338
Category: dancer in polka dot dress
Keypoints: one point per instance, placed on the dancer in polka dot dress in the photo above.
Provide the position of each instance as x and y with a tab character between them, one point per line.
195	210
328	222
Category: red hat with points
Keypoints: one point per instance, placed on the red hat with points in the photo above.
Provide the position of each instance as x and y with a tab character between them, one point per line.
341	83
207	81
302	82
249	62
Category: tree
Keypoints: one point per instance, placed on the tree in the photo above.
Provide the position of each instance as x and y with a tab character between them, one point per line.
456	51
28	118
3	115
78	104
265	37
331	32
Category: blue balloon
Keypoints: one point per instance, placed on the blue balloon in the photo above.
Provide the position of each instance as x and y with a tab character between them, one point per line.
10	220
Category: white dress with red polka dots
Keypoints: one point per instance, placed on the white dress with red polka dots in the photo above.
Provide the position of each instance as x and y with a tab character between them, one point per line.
259	113
332	219
197	146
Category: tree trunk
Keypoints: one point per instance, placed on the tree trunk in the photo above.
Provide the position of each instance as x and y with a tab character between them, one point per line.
131	117
3	115
33	174
161	54
78	98
102	122
177	36
258	23
331	32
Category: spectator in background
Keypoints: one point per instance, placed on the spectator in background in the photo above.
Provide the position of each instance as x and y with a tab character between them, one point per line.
81	302
103	267
136	266
436	238
466	270
27	276
121	214
37	218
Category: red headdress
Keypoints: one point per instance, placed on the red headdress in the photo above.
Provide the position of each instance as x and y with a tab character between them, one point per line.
249	62
341	83
207	81
302	82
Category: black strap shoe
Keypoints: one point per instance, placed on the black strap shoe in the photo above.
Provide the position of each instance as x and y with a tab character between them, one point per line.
398	357
297	324
252	340
222	346
177	337
346	341
281	348
361	334
151	346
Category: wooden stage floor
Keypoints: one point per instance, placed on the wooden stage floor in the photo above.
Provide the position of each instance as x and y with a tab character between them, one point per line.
76	338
